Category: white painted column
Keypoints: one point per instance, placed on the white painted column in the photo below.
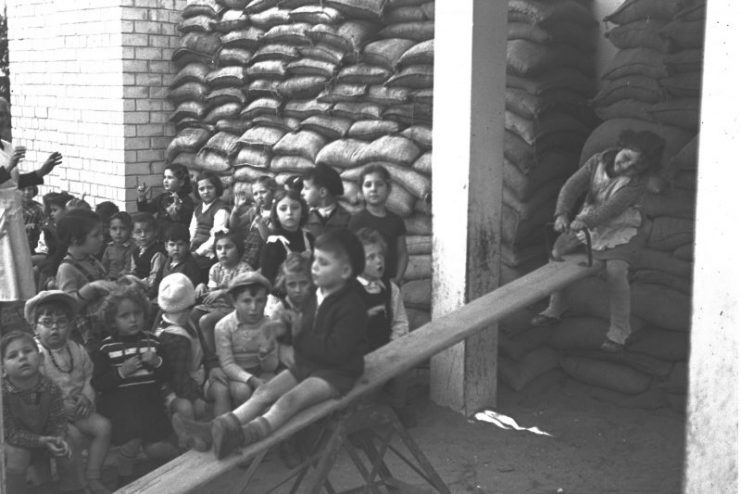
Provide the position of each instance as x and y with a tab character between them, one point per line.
712	429
467	162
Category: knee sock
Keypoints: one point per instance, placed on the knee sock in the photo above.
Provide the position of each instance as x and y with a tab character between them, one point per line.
256	430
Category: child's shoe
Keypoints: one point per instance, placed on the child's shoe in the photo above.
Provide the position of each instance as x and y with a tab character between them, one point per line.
196	434
226	432
611	346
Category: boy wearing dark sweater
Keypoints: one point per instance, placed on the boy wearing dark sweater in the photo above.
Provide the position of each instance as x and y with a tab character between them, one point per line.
322	187
328	351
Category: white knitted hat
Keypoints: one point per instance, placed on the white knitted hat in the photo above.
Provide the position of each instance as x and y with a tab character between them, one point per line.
176	293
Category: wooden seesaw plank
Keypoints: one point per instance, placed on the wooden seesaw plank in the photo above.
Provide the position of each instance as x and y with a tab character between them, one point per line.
193	469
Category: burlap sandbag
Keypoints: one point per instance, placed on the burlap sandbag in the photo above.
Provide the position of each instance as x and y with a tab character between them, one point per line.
410	114
625	108
188	91
631	87
211	161
247	39
304	109
316	14
210	8
636	61
323	52
683	85
234	56
684	113
356	111
419	267
685	252
267	69
668	233
231	20
342	153
291	34
400	201
420	134
262	88
328	126
678	381
291	164
218	97
416	30
686	158
576	35
268	18
305	143
606	135
418	224
673	202
556	78
363	73
528	59
552	126
543	198
413	77
383	95
392	149
369	130
606	374
261	106
424	164
664	261
246	173
531	106
684	61
643	33
659	343
262	137
386	52
657	277
406	14
417	294
223	143
517	375
193	72
350	36
311	67
685	35
188	109
579	333
548	12
255	157
256	6
522	342
305	87
341	92
556	166
279	52
236	126
420	54
359	9
636	10
417	318
187	140
419	244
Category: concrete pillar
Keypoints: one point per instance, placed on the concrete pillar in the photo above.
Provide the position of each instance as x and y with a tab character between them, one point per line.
467	161
89	79
712	429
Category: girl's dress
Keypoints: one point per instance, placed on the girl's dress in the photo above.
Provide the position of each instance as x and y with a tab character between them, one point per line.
610	209
134	404
219	277
158	207
33	218
16	270
279	245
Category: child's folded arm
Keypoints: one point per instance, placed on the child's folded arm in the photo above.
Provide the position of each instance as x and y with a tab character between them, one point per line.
575	186
619	201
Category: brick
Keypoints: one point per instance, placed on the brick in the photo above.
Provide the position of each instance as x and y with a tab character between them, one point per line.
136	117
135	66
135	39
147	27
149	80
149	105
135	92
149	130
133	14
150	155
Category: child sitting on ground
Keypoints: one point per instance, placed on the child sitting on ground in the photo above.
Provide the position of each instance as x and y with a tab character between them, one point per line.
245	343
34	424
294	287
255	220
322	186
387	317
128	374
182	347
68	365
179	259
80	273
149	255
614	181
118	253
228	248
328	352
105	210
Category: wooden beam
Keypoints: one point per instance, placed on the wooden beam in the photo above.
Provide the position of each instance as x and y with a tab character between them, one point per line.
467	166
193	469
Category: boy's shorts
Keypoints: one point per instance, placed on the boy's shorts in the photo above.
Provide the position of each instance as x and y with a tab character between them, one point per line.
342	383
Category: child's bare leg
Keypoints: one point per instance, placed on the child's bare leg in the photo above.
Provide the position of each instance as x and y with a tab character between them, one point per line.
308	392
619	291
219	393
239	392
17	461
183	407
99	428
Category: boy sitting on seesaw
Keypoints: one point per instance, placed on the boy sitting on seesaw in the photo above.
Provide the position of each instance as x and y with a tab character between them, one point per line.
328	352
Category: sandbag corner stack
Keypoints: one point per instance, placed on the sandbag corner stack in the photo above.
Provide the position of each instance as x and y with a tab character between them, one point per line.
268	87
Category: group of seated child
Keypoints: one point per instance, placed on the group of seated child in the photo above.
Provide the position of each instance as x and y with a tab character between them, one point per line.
147	334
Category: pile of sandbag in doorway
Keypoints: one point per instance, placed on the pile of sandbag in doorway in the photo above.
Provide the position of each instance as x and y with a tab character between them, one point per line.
273	87
550	79
660	51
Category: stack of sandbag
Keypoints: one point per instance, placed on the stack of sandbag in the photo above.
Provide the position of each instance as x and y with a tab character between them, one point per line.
279	86
660	49
550	79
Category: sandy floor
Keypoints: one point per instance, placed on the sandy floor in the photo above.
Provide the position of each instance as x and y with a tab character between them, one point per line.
597	447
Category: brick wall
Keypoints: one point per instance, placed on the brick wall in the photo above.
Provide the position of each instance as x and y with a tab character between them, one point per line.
88	79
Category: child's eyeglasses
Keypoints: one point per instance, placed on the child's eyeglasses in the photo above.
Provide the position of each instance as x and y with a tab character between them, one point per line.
48	322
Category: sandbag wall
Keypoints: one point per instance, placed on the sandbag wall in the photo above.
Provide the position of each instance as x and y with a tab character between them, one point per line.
550	80
270	87
653	83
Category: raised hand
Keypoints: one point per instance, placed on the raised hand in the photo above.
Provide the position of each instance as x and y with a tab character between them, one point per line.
53	160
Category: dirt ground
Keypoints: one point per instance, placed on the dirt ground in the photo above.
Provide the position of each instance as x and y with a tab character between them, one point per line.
597	447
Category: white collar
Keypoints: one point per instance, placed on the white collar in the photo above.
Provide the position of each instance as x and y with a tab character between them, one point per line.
326	211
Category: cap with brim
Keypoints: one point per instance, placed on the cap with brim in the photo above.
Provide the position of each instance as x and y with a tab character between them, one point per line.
247	279
47	296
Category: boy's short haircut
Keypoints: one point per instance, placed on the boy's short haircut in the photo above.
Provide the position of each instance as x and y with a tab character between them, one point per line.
144	218
106	210
295	182
58	199
214	179
12	336
176	232
345	245
371	236
325	176
124	218
78	203
73	226
267	181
